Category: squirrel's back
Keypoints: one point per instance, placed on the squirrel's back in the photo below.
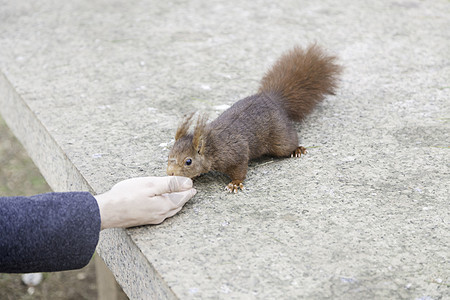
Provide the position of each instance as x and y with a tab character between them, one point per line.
300	79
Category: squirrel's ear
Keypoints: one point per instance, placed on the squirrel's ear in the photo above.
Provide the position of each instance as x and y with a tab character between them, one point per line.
198	140
184	126
201	146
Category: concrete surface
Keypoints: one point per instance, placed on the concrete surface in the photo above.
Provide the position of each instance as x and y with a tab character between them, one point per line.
95	90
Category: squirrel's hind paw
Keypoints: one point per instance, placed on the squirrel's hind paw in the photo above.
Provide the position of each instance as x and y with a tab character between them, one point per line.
234	186
299	151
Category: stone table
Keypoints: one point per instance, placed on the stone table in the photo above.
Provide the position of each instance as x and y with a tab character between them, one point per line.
95	90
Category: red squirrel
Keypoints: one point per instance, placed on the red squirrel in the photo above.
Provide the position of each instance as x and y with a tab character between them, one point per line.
259	125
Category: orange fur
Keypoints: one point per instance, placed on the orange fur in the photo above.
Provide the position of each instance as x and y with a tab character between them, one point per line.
301	78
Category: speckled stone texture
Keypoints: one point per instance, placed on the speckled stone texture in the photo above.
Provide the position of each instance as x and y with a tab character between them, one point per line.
95	90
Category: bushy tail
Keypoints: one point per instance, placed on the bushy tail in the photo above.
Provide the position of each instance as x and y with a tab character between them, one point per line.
300	79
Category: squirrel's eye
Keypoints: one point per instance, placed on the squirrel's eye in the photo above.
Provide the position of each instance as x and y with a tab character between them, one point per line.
188	162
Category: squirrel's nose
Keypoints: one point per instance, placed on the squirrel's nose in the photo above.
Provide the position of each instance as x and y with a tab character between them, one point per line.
170	171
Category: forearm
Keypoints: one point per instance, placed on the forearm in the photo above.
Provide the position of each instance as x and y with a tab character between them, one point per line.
48	232
59	231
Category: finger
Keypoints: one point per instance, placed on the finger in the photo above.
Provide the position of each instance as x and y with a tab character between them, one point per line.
170	184
173	212
180	198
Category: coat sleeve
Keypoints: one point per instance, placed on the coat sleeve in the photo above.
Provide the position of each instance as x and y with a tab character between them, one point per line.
48	232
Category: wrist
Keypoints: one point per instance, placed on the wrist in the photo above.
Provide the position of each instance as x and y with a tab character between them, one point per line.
104	206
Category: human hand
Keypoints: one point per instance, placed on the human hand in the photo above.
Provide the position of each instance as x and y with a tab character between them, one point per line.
143	200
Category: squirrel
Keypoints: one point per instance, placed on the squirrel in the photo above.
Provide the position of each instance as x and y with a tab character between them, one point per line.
259	125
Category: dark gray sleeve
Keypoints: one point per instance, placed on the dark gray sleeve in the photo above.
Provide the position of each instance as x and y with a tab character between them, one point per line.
48	232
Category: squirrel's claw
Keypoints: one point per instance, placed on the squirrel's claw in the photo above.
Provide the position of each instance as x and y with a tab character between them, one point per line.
299	151
234	186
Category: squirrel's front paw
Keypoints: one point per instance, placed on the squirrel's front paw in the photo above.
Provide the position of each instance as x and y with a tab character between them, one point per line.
234	186
299	151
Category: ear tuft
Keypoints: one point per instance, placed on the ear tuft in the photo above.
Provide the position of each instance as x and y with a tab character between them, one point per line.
184	126
198	141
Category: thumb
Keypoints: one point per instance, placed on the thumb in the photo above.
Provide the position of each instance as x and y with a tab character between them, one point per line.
180	198
170	184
